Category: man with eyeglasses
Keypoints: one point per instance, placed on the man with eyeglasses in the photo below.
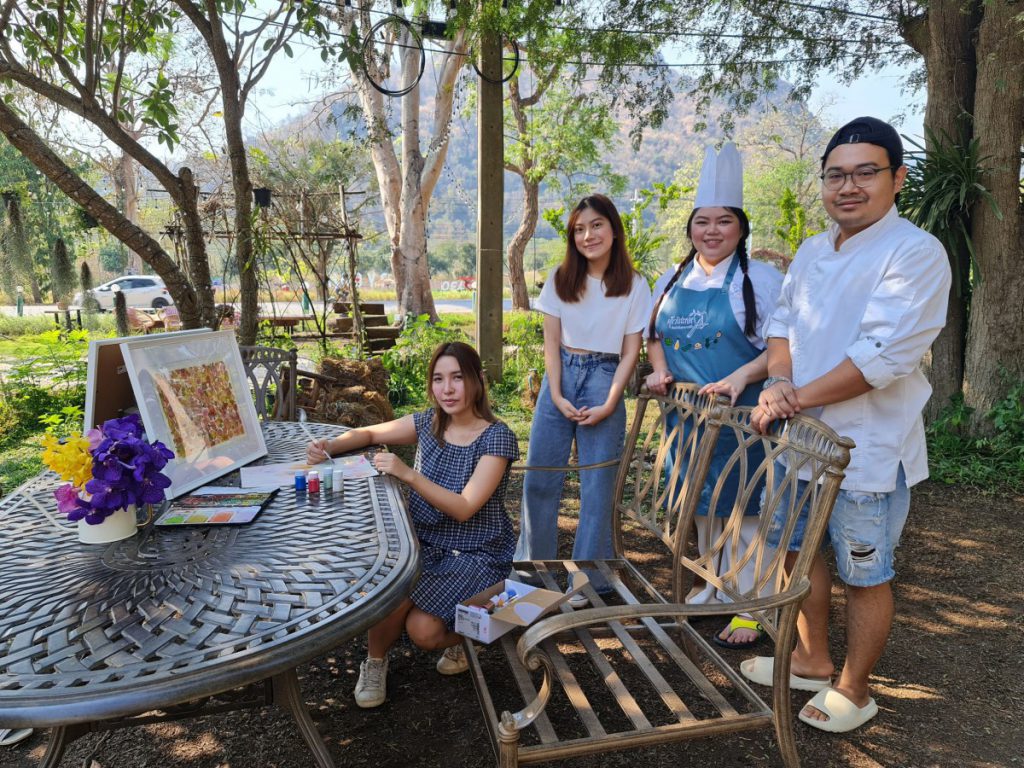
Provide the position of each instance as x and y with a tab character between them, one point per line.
859	308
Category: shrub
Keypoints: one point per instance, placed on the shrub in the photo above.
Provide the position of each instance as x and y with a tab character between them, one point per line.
408	360
991	463
26	409
524	351
46	383
268	335
27	325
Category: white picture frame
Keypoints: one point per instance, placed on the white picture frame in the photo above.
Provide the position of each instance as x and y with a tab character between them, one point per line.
194	397
108	388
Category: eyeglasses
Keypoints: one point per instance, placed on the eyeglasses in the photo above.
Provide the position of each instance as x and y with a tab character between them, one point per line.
862	177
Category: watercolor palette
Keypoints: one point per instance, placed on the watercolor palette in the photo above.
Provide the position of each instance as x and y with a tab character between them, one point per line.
217	506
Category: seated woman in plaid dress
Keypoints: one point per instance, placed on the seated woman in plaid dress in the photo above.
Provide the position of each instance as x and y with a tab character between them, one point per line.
457	503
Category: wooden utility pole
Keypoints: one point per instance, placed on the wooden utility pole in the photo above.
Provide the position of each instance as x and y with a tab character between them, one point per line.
358	332
490	197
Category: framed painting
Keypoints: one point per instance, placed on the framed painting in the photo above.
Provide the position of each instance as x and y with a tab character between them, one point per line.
108	389
193	396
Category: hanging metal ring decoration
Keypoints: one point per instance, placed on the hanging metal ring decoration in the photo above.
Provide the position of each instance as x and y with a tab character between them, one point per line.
405	31
515	63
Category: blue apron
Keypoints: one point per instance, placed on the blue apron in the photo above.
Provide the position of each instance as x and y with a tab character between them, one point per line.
703	343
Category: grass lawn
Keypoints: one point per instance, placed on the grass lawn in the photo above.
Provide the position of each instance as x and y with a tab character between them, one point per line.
19	463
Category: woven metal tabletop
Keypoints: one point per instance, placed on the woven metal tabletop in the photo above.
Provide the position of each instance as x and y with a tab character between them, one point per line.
89	632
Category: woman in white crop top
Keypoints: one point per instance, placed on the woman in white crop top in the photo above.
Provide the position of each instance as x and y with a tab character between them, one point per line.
595	308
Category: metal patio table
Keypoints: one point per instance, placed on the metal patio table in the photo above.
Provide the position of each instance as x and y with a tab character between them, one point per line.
92	636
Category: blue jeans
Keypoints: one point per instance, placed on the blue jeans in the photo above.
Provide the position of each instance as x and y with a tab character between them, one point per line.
586	379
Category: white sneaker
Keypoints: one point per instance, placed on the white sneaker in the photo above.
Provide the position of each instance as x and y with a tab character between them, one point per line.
578	601
453	661
372	688
11	736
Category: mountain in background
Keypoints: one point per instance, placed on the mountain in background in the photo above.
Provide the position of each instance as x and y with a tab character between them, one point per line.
675	144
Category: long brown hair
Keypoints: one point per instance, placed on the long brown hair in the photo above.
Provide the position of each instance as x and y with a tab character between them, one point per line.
571	277
472	379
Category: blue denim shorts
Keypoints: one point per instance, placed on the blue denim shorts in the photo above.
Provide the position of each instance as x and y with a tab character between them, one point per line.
864	531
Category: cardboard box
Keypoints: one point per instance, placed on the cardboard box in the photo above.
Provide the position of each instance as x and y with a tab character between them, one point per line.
472	619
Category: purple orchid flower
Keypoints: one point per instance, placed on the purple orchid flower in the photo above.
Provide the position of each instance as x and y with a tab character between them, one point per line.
126	470
67	498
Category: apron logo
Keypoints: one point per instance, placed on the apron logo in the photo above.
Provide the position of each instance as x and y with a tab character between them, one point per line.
689	324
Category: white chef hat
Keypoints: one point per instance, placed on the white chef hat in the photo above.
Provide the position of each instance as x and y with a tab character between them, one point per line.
721	179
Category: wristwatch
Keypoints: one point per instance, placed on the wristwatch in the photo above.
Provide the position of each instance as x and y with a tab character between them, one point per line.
772	380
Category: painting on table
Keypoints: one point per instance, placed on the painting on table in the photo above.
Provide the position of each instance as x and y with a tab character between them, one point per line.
105	363
193	395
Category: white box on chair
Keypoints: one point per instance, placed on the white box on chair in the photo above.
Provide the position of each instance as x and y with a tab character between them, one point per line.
473	620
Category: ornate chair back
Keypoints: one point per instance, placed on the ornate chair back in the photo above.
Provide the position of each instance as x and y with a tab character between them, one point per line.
271	374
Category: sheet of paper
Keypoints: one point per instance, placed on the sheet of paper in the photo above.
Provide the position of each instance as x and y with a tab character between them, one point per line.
279	475
282	475
354	467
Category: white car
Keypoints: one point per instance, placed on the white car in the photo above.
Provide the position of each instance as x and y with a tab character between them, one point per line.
138	290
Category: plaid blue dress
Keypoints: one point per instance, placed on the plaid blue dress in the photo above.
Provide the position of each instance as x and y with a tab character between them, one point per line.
460	559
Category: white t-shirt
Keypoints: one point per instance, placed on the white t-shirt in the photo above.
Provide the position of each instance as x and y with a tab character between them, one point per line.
879	300
598	323
765	278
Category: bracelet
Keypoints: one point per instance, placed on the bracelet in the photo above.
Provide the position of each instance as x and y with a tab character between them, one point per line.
773	380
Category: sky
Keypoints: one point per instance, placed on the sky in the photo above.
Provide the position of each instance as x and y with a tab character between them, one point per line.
879	95
287	90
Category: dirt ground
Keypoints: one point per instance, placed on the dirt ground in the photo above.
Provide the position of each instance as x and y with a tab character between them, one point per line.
950	687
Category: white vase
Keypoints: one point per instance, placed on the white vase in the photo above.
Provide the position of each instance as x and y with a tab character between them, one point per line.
120	525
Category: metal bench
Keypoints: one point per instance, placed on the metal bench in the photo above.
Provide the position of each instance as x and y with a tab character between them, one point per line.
632	671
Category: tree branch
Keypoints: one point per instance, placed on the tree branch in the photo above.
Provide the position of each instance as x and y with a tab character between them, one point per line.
104	122
542	85
26	141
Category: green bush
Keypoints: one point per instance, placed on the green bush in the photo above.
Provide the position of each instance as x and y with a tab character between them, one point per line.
26	409
48	382
407	361
992	463
268	335
32	325
28	325
524	352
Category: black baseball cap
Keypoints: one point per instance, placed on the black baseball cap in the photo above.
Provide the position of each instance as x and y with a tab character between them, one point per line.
868	130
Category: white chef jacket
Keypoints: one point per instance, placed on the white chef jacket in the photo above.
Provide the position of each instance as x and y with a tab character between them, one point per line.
879	300
765	279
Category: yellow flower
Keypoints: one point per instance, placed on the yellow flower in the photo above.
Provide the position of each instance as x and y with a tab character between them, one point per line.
70	459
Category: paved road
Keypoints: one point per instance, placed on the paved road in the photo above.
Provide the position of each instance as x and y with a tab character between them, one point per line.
289	308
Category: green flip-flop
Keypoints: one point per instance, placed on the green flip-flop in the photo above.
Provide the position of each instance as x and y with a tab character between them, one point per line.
738	622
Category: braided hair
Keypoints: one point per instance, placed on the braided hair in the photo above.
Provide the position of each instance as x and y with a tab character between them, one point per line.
749	302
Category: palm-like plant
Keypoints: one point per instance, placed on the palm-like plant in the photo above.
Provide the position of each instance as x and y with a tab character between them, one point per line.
944	183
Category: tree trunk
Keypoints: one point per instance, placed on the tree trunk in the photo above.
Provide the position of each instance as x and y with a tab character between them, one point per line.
200	297
233	101
37	294
405	189
517	245
415	296
996	326
130	198
948	47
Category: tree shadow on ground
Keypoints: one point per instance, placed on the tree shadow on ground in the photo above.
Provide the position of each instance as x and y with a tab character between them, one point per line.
949	688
